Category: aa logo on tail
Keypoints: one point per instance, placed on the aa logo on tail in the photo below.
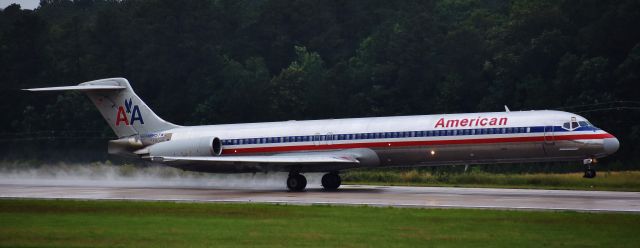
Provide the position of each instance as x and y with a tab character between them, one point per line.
131	111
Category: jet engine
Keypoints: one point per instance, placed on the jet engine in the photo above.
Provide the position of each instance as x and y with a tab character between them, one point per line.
205	146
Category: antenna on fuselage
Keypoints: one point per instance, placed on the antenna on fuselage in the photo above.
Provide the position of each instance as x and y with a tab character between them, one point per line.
506	109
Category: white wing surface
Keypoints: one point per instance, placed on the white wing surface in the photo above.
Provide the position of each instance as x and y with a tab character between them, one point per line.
299	161
275	159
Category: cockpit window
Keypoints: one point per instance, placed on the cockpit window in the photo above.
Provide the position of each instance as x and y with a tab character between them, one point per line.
584	123
573	125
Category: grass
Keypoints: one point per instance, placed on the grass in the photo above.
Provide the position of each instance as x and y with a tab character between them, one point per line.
617	181
65	223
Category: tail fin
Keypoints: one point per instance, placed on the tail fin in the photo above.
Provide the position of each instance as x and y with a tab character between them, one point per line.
125	112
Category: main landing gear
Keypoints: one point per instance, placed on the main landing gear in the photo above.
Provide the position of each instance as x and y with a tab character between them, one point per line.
297	182
331	181
590	171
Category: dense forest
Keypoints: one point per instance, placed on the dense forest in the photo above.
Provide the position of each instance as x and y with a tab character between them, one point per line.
228	61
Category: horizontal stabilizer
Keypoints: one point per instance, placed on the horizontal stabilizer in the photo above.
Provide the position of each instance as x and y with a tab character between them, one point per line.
87	87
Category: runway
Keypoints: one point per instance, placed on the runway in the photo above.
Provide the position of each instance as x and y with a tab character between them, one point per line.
419	197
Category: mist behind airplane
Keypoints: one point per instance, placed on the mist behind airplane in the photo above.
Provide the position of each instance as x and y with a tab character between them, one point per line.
335	145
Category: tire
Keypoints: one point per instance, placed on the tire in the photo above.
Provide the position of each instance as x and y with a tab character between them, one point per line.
590	173
296	182
331	181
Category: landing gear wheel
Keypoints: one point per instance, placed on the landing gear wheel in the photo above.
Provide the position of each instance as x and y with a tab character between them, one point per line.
589	173
331	181
296	182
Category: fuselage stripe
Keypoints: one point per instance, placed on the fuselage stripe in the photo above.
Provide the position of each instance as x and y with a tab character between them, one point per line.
310	147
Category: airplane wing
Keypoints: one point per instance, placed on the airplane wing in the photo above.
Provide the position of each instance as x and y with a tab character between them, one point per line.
274	159
305	161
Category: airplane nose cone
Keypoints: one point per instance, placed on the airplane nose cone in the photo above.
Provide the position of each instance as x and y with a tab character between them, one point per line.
610	145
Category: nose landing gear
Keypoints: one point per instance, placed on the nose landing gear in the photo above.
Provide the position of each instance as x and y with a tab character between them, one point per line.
590	171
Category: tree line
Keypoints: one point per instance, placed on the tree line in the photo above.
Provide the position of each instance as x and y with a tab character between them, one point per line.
229	61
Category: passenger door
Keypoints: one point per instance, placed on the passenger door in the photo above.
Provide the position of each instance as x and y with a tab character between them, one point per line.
549	138
549	145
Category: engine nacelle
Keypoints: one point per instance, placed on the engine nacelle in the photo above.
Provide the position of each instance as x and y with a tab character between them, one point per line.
206	146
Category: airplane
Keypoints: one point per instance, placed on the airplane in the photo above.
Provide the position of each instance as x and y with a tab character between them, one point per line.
334	145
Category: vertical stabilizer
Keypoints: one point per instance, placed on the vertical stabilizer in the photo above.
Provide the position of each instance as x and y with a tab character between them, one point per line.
123	110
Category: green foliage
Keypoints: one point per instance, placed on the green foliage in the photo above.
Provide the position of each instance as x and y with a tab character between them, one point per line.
209	62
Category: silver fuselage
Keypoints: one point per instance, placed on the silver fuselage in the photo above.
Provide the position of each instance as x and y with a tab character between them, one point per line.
428	140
